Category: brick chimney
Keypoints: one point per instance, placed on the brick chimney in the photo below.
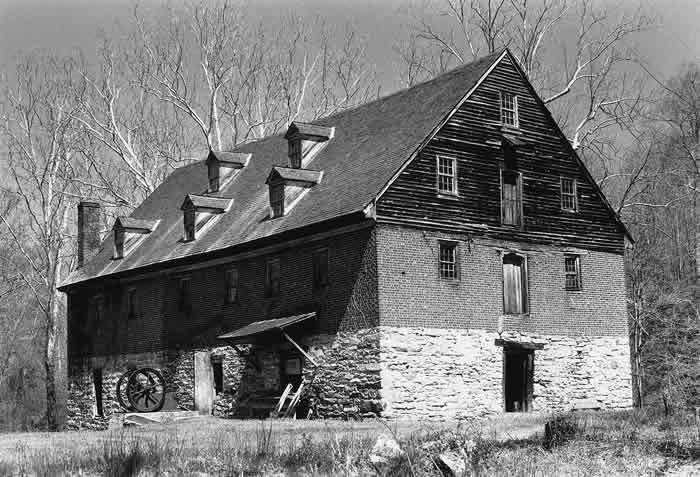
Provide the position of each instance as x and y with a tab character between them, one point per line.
88	231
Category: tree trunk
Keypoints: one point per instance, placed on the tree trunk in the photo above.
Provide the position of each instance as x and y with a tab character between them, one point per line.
53	364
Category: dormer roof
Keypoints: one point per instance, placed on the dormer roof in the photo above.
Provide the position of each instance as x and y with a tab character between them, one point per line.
297	175
234	160
206	202
132	224
309	131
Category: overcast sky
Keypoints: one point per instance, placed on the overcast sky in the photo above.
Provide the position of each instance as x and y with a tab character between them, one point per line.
62	25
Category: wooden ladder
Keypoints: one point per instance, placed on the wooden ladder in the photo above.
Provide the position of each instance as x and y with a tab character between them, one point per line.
289	411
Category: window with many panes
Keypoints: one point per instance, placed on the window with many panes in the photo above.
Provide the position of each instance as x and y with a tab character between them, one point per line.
448	261
568	195
272	278
232	285
509	109
572	272
185	301
514	284
277	200
447	175
320	269
131	303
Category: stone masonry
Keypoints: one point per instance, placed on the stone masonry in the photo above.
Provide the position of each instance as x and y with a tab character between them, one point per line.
441	373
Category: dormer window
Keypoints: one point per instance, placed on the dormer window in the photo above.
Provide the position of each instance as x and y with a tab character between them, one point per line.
199	212
287	186
304	141
129	232
222	166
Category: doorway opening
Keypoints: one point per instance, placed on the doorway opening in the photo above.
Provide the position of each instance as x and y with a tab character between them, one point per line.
97	382
518	379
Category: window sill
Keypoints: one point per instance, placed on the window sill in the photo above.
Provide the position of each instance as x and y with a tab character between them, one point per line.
516	315
448	196
570	211
573	290
511	129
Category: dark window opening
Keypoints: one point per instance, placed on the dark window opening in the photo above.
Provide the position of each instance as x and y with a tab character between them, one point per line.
511	198
131	304
320	269
97	382
295	153
232	285
291	369
189	224
572	272
99	309
514	284
518	379
119	243
448	261
568	195
272	278
185	299
218	369
277	200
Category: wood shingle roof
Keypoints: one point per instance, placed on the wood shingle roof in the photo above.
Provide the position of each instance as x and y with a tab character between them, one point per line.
371	143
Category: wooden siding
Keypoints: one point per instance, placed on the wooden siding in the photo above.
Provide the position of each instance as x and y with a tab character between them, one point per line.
474	135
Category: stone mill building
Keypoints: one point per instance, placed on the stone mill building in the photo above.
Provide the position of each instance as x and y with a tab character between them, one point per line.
441	252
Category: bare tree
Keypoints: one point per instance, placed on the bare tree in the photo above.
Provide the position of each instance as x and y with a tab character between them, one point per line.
38	129
593	67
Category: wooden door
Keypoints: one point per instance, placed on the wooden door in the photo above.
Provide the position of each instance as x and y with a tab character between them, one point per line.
203	382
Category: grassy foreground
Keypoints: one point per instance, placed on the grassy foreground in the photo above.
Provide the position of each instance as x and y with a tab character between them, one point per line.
604	443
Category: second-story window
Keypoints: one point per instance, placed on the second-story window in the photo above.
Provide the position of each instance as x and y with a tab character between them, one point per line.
509	109
131	308
511	198
447	175
572	272
99	308
568	195
231	285
272	278
448	261
320	269
514	284
185	298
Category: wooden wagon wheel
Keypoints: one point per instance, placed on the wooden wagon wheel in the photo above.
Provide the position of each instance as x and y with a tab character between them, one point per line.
145	390
122	397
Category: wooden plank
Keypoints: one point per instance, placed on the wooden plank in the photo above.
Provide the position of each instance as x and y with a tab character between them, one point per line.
294	343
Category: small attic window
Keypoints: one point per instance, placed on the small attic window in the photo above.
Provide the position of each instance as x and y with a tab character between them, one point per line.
222	167
129	232
199	212
287	186
304	141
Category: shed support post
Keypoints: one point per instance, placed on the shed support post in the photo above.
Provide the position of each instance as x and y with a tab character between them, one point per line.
306	355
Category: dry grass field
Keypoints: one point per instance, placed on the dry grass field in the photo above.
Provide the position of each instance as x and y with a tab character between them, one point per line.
603	444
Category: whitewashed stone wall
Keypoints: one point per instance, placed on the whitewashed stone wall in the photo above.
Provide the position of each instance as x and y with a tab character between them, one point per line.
449	373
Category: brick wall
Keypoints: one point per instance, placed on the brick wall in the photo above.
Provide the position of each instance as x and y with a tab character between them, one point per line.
411	293
348	303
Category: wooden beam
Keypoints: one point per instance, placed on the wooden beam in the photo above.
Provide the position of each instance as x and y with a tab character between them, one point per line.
517	344
306	355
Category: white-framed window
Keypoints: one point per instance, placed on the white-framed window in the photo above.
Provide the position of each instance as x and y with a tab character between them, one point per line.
509	109
572	271
448	260
447	175
232	285
514	284
568	195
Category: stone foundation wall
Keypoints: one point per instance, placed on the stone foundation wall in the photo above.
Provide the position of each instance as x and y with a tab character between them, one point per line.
346	382
443	373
